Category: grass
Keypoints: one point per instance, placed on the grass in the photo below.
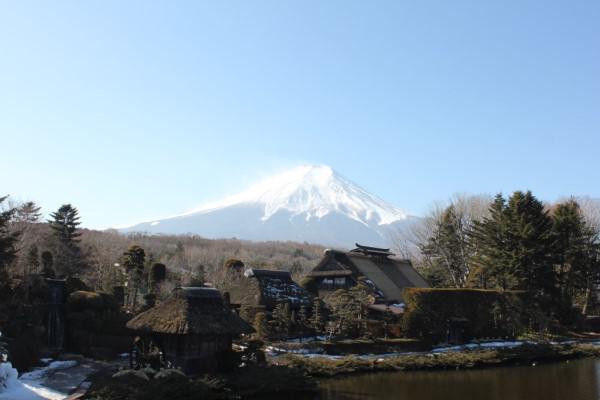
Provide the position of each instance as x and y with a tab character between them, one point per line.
251	382
521	355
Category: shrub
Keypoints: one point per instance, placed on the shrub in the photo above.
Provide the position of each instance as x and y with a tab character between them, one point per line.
489	313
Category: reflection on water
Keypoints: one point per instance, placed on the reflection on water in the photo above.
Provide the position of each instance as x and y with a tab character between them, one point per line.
575	380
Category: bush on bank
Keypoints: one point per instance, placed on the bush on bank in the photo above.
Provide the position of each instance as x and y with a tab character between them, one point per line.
486	313
523	355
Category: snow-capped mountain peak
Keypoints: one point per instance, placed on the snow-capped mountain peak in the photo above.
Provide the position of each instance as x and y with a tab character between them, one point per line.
312	191
311	203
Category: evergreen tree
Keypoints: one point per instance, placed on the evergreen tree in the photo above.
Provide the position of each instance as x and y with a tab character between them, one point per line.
318	318
133	261
65	225
157	275
348	310
303	315
8	241
283	318
488	238
576	251
514	246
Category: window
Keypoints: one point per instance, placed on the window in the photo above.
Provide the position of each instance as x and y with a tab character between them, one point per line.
334	283
339	282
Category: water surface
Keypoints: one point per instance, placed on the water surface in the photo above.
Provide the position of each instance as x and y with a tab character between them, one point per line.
574	380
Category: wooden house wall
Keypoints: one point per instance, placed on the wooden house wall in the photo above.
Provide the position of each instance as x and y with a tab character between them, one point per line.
196	353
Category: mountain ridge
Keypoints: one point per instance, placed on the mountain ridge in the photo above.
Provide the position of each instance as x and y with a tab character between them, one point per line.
309	203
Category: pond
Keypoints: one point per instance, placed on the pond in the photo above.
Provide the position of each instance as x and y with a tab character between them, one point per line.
573	380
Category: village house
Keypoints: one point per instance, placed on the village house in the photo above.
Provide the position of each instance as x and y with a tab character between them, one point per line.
377	269
192	330
256	290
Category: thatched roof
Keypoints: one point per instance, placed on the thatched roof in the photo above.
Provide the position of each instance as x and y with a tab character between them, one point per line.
191	311
265	288
387	276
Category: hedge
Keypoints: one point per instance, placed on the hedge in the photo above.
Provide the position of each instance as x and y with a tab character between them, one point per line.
488	313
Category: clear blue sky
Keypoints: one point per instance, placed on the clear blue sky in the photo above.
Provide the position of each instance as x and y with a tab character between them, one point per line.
138	109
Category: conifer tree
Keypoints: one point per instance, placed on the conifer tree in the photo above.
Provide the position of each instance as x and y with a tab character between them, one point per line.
283	318
65	225
133	261
157	275
514	245
319	317
8	241
302	315
576	252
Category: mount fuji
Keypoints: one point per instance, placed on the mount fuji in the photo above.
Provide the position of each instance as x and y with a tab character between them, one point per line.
310	203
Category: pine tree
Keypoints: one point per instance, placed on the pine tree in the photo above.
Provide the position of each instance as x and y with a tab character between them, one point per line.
8	241
488	238
302	315
318	318
133	261
282	317
576	252
157	275
65	225
514	246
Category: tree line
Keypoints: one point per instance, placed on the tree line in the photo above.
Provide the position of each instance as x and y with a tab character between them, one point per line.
551	252
59	246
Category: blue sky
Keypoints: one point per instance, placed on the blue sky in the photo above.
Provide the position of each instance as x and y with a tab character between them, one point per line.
135	110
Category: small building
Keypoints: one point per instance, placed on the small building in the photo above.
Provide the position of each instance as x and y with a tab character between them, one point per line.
377	269
258	289
192	330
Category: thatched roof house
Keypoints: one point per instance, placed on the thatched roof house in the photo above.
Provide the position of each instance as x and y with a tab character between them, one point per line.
264	288
376	268
192	329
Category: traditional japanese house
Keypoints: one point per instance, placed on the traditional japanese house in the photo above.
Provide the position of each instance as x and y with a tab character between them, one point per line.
377	269
192	330
256	290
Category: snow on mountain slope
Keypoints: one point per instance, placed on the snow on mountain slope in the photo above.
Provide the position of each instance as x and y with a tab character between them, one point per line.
308	203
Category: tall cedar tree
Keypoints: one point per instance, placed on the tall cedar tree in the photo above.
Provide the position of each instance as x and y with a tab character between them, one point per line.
489	237
65	224
8	241
576	255
133	261
514	246
447	248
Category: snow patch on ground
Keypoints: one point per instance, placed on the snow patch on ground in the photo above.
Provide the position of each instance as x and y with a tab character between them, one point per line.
12	388
483	345
313	353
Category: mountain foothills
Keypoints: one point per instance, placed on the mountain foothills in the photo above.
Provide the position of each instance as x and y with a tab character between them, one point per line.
310	203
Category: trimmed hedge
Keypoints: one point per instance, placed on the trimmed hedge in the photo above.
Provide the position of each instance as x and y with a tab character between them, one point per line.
489	313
